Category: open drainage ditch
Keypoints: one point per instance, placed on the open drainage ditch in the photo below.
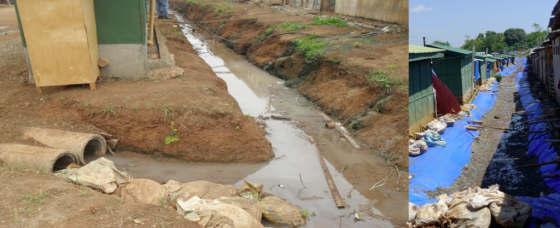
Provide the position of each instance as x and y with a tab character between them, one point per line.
254	90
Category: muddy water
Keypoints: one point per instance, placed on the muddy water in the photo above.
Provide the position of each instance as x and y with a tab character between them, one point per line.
296	168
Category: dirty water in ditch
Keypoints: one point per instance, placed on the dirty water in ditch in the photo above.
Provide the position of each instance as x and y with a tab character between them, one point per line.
255	90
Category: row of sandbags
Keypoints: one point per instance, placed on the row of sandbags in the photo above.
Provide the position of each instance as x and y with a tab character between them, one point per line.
430	137
209	204
474	207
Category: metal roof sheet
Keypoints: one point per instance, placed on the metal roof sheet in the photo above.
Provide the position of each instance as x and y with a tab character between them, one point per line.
452	49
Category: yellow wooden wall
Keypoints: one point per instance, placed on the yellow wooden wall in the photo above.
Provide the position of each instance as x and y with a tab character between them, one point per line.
61	40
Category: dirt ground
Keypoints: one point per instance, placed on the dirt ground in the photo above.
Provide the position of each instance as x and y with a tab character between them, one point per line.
337	82
29	198
498	155
210	125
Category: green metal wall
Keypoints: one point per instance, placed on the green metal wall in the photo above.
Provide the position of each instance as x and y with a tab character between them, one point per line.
420	91
120	21
482	65
455	72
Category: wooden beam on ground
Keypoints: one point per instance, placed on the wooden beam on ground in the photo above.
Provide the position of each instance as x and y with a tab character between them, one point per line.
334	191
348	137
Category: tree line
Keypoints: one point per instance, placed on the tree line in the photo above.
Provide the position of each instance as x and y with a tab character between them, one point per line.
512	39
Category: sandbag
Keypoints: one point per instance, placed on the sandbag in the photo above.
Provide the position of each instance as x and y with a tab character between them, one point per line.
412	210
279	211
144	191
251	191
213	213
100	174
507	210
432	139
416	147
201	189
448	121
433	213
437	126
251	207
460	215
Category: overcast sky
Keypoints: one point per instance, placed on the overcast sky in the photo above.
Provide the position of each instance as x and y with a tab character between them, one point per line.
451	20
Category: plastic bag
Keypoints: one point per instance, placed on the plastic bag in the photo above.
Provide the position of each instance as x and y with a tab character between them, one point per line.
251	191
201	189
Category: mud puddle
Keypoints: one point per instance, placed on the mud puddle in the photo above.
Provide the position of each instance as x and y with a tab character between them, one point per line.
255	90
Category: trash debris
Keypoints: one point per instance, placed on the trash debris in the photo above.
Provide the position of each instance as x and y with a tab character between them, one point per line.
357	216
447	120
100	174
416	147
143	191
281	186
212	213
278	211
251	191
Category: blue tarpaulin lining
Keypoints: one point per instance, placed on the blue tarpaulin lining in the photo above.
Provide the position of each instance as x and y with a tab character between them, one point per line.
546	206
476	71
440	166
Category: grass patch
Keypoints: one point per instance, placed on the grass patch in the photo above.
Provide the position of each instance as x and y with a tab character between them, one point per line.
336	21
497	77
311	47
382	79
38	199
290	26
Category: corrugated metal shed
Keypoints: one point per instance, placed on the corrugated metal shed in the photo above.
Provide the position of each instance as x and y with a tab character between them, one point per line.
455	70
416	53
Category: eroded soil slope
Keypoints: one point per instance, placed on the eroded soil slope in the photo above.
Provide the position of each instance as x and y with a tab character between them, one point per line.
358	77
141	114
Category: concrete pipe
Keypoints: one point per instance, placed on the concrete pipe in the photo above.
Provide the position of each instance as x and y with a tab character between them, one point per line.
80	144
34	157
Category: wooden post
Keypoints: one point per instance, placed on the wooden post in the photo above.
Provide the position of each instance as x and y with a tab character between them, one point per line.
152	22
486	62
92	86
424	38
474	79
320	5
334	191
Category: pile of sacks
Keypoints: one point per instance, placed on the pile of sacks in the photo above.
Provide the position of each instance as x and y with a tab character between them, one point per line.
430	137
474	207
208	204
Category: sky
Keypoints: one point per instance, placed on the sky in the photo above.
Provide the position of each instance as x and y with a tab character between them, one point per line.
451	20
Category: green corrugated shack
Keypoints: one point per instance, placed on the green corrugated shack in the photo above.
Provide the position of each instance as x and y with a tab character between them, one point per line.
121	37
490	67
421	108
455	70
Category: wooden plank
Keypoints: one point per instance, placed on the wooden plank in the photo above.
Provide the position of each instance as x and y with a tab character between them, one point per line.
334	191
348	137
57	42
91	33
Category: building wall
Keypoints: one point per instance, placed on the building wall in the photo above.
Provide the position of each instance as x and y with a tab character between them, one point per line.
556	65
383	10
421	106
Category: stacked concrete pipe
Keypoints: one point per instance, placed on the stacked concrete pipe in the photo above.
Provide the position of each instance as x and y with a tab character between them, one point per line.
80	144
34	157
